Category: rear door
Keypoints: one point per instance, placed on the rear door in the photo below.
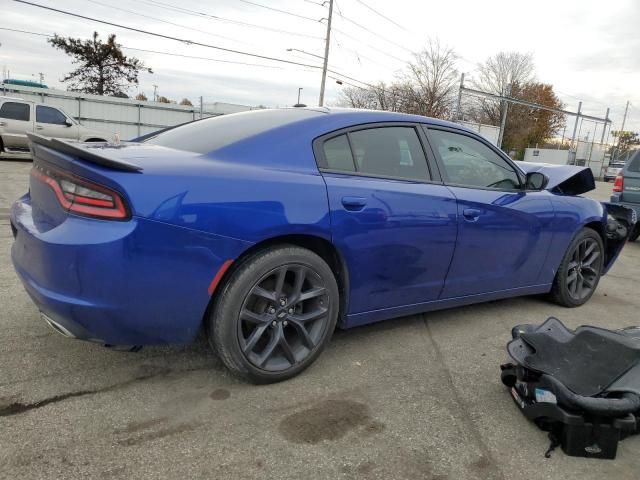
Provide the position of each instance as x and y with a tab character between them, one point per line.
504	231
16	119
51	122
631	174
391	217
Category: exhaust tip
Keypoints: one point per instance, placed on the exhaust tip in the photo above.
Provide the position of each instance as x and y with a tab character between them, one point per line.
56	326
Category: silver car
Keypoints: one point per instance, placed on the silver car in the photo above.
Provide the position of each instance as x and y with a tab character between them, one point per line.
19	117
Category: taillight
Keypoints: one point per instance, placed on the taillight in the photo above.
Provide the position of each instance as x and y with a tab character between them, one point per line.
81	196
618	185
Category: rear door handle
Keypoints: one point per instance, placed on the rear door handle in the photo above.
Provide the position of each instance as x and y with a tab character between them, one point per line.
39	128
471	214
3	124
354	203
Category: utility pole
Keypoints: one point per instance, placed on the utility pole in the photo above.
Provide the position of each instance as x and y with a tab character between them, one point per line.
155	93
326	54
503	120
459	104
624	120
575	126
604	128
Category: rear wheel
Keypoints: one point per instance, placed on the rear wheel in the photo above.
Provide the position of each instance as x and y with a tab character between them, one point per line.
635	233
580	270
275	314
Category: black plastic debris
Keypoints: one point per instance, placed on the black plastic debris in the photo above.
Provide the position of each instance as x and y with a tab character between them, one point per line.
582	386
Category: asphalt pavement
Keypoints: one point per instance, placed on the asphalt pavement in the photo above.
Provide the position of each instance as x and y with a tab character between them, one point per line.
414	398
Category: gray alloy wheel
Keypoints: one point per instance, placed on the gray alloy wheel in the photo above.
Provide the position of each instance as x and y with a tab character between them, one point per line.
584	269
580	270
283	317
274	314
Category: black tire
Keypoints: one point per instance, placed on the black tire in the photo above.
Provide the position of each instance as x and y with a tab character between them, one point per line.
263	325
580	270
635	233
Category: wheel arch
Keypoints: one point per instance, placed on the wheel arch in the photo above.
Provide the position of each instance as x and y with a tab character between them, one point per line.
318	245
94	139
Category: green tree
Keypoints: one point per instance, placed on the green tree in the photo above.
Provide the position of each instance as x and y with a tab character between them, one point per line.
103	69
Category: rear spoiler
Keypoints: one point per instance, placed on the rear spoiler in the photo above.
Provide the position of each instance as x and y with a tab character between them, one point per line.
89	152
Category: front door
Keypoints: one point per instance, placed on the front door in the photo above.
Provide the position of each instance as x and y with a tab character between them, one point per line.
394	224
51	122
504	231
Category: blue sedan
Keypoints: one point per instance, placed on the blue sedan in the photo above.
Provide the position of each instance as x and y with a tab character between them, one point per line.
269	228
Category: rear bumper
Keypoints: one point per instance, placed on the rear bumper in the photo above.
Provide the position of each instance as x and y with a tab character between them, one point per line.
124	283
615	198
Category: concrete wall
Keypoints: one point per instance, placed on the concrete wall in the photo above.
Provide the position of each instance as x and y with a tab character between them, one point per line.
128	117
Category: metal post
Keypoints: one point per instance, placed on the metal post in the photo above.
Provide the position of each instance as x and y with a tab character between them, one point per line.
459	104
503	120
139	119
326	54
604	128
575	126
624	120
299	90
201	106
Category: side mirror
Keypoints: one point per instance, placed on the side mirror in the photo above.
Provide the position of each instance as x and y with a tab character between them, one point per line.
68	123
536	181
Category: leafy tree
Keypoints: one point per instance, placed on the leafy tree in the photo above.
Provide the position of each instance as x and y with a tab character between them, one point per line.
142	97
186	102
103	68
626	139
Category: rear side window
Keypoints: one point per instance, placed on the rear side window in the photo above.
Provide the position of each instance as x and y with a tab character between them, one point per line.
204	136
15	111
634	164
394	152
50	115
337	153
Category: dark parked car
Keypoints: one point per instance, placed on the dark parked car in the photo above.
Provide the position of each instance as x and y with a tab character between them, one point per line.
269	228
626	189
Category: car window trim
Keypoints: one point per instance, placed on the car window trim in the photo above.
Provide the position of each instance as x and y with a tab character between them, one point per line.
519	173
321	162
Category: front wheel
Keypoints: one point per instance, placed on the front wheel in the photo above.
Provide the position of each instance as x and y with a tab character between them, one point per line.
580	270
275	314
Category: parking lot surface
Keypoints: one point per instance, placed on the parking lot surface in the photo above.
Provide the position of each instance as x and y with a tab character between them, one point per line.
414	398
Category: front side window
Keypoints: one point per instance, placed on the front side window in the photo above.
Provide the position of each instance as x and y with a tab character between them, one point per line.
50	115
469	162
382	151
15	111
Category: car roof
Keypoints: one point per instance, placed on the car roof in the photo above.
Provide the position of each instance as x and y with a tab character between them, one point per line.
384	116
14	99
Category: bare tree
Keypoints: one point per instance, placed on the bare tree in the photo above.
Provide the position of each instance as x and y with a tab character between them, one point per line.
496	75
427	87
432	78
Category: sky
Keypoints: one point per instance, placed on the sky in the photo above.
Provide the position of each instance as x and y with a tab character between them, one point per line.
587	50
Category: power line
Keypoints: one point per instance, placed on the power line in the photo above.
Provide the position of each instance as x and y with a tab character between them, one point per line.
376	34
196	13
382	15
168	37
204	58
166	21
379	50
278	10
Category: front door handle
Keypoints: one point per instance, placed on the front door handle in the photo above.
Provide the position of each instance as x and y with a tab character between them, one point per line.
354	203
471	214
3	124
39	128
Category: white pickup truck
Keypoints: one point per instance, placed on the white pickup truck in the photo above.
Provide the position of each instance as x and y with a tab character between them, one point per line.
19	117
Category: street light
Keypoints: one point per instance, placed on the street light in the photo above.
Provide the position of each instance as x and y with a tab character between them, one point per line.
305	52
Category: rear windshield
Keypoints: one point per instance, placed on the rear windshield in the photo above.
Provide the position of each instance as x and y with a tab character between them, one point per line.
634	164
211	134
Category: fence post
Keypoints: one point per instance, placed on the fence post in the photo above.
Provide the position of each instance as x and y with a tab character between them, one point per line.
139	118
201	106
